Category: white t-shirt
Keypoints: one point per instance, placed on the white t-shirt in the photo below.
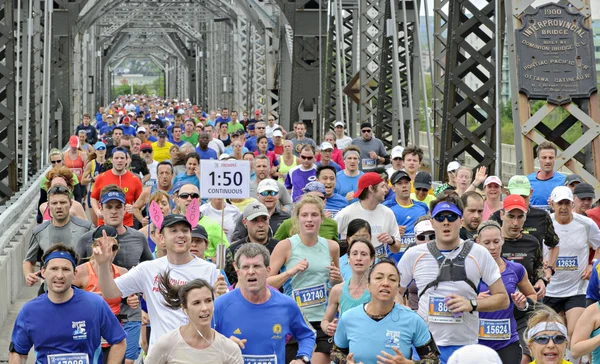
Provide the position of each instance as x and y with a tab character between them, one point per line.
343	142
573	253
216	145
153	174
232	214
418	264
270	129
144	279
172	348
382	220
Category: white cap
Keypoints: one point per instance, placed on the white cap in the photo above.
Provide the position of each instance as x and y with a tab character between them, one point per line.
474	354
121	113
492	179
181	111
131	113
560	193
422	227
397	152
339	123
326	146
224	156
141	129
161	111
267	185
277	133
453	166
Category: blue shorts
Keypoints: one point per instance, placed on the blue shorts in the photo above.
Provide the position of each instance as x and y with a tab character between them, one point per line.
132	329
446	352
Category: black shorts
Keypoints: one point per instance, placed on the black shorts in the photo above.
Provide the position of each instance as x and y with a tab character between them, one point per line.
564	304
322	345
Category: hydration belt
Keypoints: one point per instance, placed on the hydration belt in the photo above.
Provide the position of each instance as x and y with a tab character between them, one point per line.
450	270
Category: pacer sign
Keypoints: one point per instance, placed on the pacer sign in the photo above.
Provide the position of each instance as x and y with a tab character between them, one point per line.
224	179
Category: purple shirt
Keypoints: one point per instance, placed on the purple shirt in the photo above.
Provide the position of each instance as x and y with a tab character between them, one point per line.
511	276
297	178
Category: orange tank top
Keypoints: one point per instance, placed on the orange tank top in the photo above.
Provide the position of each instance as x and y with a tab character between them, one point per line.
76	165
92	286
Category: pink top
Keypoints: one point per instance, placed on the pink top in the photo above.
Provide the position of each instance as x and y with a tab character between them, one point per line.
487	211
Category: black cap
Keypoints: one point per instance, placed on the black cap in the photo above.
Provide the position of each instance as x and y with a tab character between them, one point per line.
584	190
163	133
366	125
200	232
573	178
175	219
423	180
397	176
110	231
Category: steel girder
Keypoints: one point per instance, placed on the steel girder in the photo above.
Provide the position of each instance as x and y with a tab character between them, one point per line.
241	86
470	53
438	67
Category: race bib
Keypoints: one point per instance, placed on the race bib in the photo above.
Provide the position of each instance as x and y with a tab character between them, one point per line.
77	171
494	329
567	263
260	359
310	296
380	251
151	182
368	163
438	312
406	240
68	359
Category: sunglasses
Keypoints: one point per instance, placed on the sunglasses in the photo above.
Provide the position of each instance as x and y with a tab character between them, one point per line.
59	189
56	162
422	189
428	236
268	193
544	339
146	150
186	195
306	157
366	131
259	128
450	217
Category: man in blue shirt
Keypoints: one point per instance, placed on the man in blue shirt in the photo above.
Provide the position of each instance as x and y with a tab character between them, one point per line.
128	129
90	130
260	130
259	318
65	324
333	202
202	149
544	180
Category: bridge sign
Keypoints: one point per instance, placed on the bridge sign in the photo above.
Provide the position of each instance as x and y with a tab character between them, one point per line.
555	54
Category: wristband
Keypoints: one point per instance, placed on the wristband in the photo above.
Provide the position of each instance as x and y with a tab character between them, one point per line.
526	307
393	241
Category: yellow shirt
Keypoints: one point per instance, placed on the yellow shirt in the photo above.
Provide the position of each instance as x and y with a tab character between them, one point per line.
161	153
427	199
562	362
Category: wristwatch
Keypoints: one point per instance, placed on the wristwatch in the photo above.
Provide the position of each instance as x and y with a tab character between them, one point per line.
551	267
473	305
393	241
304	358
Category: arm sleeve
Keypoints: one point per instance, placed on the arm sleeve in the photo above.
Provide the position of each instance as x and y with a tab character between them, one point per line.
421	335
33	251
159	352
146	254
302	332
405	267
490	272
550	239
284	230
592	289
131	282
341	338
20	336
110	328
288	181
82	247
594	238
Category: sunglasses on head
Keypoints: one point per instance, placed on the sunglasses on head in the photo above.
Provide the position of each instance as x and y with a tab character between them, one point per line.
544	339
59	189
268	193
186	195
441	217
56	162
422	237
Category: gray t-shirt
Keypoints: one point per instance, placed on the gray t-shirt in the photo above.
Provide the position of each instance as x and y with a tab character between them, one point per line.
46	235
299	143
366	146
133	249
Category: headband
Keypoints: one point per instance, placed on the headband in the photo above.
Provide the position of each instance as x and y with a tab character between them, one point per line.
545	326
351	152
487	224
61	255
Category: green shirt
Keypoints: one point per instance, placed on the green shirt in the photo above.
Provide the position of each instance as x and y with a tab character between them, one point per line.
193	140
234	127
214	231
328	230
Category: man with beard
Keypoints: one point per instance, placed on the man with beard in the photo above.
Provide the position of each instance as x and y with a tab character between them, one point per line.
473	211
262	168
61	228
333	202
267	194
202	149
255	218
164	172
120	176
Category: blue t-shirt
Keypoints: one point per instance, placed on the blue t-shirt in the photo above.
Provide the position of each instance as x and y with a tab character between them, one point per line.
179	143
73	327
206	154
100	124
183	178
543	189
333	164
402	328
229	150
297	178
504	324
152	138
593	289
406	216
265	325
105	130
335	203
345	184
251	144
128	130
